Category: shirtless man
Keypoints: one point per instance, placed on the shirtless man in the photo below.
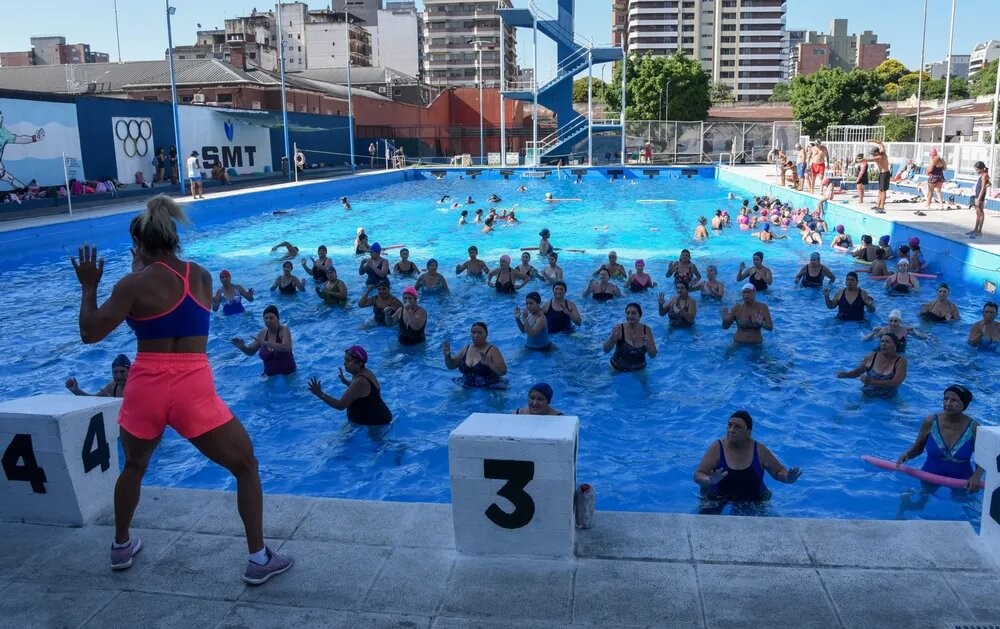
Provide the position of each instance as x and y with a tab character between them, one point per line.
818	157
800	165
473	266
881	159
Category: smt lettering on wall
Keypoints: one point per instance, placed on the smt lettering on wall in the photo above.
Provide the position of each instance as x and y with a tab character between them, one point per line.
219	138
34	137
134	147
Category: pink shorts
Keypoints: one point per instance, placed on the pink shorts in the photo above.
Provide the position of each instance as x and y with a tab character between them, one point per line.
176	390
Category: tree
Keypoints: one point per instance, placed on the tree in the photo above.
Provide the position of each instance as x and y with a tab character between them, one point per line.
781	94
985	81
898	128
832	97
934	88
647	96
890	71
908	84
721	92
580	90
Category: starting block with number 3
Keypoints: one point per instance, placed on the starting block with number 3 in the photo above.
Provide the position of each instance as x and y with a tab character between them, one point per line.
59	458
512	484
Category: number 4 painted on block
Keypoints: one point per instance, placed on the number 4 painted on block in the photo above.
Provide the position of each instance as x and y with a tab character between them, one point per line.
20	448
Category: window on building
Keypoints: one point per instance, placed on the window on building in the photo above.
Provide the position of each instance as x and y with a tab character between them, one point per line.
726	75
224	98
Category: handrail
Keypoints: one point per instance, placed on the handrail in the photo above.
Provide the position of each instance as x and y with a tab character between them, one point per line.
538	11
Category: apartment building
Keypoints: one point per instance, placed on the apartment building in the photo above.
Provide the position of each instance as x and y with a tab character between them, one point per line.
810	51
940	69
52	51
450	30
395	38
739	42
982	54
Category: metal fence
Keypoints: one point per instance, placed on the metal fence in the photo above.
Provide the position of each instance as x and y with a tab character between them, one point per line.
731	142
959	156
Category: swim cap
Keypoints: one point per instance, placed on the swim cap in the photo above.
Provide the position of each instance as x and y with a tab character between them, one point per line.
963	394
505	258
358	352
432	261
914	241
640	262
272	309
121	360
383	283
544	389
376	247
745	416
814	255
409	290
883	240
896	314
749	287
544	233
224	273
840	229
813	225
343	199
766	227
903	262
361	230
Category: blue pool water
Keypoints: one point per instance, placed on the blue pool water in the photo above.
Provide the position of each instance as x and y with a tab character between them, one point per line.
642	434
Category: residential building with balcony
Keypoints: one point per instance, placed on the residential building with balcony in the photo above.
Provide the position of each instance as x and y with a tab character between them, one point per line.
740	43
52	51
982	54
837	49
450	30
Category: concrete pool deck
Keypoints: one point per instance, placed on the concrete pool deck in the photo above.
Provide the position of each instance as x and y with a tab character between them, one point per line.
386	564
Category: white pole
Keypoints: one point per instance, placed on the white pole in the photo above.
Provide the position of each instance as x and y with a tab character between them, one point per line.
590	107
534	88
993	130
69	194
117	36
350	100
284	96
947	81
920	74
503	86
174	101
295	160
624	64
482	137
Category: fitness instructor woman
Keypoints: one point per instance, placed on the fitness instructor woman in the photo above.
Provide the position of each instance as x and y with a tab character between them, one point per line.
167	301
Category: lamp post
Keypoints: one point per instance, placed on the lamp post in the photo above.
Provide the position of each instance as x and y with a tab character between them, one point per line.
117	36
173	97
350	100
284	96
920	74
665	109
947	80
479	79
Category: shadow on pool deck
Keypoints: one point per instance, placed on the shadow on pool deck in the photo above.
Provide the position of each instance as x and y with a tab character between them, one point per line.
390	564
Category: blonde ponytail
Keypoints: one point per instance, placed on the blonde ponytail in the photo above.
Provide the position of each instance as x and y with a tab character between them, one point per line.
155	228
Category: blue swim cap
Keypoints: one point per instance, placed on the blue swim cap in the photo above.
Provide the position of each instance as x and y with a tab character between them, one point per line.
766	227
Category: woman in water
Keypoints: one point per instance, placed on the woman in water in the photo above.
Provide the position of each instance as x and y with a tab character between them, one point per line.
681	309
950	440
561	313
750	316
473	267
361	242
811	274
480	363
553	272
503	277
615	270
412	318
809	234
841	239
631	341
544	246
115	388
539	398
757	274
286	283
882	371
701	232
405	268
733	468
432	281
525	268
166	303
291	251
985	333
941	309
533	323
640	281
712	287
895	326
463	218
602	289
866	252
683	270
230	296
375	267
319	265
850	301
363	397
381	303
334	290
273	344
901	281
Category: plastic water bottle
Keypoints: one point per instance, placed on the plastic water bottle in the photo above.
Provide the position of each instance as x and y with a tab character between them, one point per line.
583	506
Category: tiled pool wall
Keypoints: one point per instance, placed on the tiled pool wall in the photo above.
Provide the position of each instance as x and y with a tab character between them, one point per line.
551	172
950	259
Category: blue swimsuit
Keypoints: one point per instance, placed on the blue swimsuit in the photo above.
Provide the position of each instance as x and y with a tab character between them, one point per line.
745	484
954	462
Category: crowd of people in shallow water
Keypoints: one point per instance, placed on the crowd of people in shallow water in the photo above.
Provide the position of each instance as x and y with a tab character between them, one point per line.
733	468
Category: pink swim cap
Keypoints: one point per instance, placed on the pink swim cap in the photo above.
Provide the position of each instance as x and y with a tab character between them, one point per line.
503	258
640	262
914	241
409	290
934	153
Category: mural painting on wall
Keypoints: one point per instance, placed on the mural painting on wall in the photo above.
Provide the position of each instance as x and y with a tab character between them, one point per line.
35	137
134	153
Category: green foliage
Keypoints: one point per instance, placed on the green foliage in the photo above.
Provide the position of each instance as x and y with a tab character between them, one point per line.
580	90
908	84
985	81
834	97
781	94
898	128
934	88
721	93
646	93
890	71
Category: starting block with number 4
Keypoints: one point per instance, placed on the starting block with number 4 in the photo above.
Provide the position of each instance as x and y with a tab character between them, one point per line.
59	458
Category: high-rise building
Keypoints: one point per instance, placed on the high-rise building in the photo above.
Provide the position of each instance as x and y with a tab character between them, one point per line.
394	38
619	20
837	49
982	54
52	51
940	69
740	43
451	30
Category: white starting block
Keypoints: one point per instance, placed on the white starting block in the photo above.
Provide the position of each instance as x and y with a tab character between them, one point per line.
512	484
59	456
988	456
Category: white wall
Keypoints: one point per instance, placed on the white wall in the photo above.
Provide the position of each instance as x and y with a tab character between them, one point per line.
394	42
327	45
208	131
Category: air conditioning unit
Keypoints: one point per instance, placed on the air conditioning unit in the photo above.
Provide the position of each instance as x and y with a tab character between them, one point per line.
198	99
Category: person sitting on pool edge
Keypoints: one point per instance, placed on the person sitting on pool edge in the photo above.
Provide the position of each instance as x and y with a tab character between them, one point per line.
539	398
480	363
850	301
276	355
952	426
732	469
473	267
115	388
363	397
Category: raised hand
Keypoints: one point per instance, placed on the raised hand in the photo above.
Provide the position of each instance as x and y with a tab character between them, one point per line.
717	475
316	387
89	268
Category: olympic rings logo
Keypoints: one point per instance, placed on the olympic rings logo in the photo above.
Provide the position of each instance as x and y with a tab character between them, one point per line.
134	134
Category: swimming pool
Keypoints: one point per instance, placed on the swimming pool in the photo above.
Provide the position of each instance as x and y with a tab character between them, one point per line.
642	434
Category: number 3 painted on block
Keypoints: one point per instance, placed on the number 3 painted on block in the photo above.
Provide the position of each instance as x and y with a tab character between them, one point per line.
517	474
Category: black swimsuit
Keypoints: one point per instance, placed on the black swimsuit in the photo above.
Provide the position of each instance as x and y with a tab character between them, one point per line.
758	282
478	375
410	336
850	310
319	273
506	286
627	357
812	281
559	320
369	410
290	288
413	270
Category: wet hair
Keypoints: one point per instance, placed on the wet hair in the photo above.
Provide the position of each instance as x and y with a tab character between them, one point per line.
604	268
553	254
866	239
991	304
745	416
895	339
634	305
404	250
880	254
758	254
945	286
481	324
272	309
852	274
904	250
682	283
287	263
560	283
534	296
155	228
121	360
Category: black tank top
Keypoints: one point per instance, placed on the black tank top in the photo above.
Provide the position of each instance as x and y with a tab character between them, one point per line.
628	357
369	410
559	320
850	310
812	281
409	336
478	375
506	286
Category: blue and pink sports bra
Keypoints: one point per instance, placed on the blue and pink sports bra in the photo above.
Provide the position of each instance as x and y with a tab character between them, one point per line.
188	317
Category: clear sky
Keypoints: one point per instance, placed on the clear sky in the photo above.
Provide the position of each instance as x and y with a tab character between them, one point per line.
142	23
